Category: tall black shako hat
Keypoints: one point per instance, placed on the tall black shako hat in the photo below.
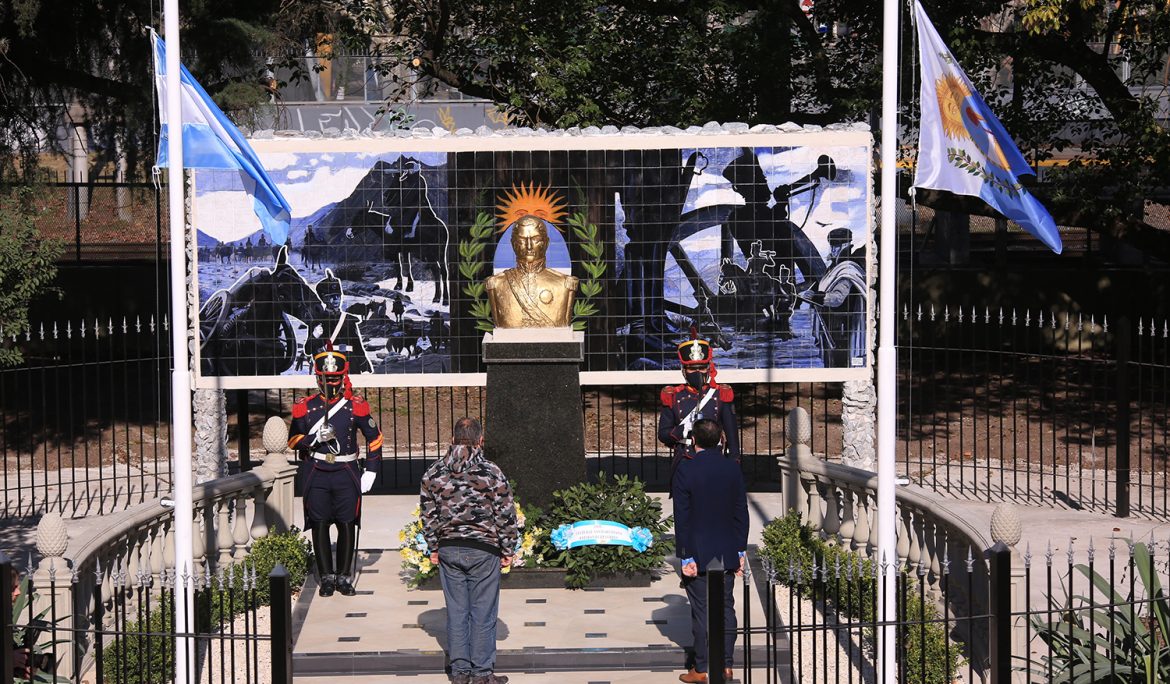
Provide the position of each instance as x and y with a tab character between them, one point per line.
331	368
695	354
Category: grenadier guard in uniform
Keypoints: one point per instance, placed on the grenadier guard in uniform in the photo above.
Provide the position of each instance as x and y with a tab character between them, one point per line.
324	433
699	397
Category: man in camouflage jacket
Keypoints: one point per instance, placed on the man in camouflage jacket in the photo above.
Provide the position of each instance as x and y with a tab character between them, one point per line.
469	524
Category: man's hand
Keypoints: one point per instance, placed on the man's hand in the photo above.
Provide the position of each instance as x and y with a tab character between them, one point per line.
690	569
742	564
368	478
505	561
434	557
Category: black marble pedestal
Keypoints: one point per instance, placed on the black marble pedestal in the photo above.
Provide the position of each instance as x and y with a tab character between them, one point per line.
533	427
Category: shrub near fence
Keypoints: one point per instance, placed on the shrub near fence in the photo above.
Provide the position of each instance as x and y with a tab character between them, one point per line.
134	637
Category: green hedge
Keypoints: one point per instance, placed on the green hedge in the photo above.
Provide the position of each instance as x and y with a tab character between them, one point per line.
793	548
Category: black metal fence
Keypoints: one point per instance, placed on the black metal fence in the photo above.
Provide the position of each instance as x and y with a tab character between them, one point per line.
131	635
1041	408
1010	405
1098	616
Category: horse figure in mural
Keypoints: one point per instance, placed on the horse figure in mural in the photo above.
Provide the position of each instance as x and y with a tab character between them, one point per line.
414	232
246	329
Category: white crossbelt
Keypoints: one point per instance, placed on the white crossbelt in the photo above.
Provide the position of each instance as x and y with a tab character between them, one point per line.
693	416
321	422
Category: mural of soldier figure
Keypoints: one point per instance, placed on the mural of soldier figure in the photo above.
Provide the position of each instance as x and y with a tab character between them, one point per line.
338	327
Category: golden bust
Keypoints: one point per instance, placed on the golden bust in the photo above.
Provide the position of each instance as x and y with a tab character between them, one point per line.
530	295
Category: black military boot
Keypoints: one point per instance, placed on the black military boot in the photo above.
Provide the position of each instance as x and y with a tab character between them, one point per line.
346	538
324	557
344	586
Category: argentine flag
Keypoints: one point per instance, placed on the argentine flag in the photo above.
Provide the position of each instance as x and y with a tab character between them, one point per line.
963	148
211	141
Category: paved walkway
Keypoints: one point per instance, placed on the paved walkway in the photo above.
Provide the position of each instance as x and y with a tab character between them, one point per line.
592	635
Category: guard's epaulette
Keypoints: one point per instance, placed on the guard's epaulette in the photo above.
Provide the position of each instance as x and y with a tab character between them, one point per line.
667	395
726	394
301	408
361	407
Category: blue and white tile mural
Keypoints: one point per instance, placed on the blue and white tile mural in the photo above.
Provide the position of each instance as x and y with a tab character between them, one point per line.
757	241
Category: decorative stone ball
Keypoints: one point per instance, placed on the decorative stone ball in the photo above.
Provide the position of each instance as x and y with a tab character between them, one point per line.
799	426
1005	524
275	435
52	536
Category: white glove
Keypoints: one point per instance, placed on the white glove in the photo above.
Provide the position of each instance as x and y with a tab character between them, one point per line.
368	478
688	424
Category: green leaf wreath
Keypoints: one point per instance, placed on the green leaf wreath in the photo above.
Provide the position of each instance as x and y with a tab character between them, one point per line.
590	287
471	262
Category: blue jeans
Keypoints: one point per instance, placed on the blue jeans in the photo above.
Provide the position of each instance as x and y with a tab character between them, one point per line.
471	588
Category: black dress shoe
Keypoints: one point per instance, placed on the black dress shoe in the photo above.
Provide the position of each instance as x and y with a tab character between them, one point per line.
344	587
328	585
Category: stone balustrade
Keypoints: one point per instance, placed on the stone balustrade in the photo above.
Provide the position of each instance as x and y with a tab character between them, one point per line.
942	549
133	550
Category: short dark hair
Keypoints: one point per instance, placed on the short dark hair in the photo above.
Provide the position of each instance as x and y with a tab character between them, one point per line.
467	431
707	433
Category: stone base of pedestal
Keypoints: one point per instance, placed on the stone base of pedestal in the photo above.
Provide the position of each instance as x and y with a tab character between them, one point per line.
533	425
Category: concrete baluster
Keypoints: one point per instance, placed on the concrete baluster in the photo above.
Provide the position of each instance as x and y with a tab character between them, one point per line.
260	504
903	545
832	510
815	516
914	553
871	511
241	535
861	536
223	531
848	519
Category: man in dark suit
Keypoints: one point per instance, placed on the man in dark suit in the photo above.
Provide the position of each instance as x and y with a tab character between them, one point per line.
710	521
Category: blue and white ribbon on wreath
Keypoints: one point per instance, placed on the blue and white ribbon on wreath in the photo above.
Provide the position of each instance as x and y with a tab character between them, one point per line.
595	532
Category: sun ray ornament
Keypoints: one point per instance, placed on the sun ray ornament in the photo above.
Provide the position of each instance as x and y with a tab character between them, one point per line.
963	148
533	200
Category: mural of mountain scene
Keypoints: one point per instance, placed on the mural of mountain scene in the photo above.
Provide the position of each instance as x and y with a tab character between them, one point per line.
761	249
366	271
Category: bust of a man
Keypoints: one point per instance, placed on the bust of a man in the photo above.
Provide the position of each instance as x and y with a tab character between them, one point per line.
531	295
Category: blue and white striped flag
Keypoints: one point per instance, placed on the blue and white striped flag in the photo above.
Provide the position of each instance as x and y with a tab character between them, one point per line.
963	148
211	141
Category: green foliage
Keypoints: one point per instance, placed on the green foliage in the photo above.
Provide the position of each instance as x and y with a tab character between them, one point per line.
20	635
471	263
104	78
847	580
289	549
1118	639
28	266
591	287
144	654
621	499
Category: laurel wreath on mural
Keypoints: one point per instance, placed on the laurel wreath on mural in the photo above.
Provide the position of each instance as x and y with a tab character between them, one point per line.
964	161
471	262
591	287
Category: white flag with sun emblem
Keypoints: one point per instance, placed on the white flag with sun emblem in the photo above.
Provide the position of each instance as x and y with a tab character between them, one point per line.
963	148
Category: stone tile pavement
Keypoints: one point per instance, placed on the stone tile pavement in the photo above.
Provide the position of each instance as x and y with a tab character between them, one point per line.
591	635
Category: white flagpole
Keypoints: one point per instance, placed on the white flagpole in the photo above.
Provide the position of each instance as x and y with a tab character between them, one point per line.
180	373
887	353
